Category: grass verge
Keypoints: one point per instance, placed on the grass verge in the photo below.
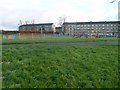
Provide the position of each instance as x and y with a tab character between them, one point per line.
60	66
55	39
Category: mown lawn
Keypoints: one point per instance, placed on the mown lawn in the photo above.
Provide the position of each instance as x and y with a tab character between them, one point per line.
50	38
60	66
0	65
0	39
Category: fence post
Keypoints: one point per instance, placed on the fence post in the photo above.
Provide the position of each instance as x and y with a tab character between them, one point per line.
19	35
32	35
44	35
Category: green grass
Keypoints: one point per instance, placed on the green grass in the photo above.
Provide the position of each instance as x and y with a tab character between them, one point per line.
46	38
0	62
0	38
60	66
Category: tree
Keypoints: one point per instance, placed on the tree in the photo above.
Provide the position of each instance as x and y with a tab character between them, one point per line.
64	18
61	20
33	21
20	22
26	22
112	1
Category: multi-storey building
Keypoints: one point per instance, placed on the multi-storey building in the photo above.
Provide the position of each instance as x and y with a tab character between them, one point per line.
58	30
107	28
44	27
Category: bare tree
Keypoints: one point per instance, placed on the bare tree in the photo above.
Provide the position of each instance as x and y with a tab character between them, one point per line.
26	22
61	20
20	22
112	1
33	21
64	18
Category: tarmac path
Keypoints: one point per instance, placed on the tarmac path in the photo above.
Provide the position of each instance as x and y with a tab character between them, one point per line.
65	44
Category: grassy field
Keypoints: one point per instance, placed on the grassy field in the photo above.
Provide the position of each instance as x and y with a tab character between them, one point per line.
0	39
55	38
60	66
0	62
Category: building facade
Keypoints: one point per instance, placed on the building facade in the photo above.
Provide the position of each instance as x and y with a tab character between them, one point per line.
45	27
58	30
98	29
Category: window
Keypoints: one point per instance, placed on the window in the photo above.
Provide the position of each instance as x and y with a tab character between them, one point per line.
111	24
46	29
103	25
43	28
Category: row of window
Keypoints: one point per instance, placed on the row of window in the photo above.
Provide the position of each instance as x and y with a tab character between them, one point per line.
30	29
92	25
106	34
93	31
91	28
99	34
37	27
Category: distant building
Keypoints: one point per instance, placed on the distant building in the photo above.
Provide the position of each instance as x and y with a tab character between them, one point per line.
1	31
58	30
10	32
107	28
44	27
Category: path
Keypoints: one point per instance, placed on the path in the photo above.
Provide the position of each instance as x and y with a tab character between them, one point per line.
66	43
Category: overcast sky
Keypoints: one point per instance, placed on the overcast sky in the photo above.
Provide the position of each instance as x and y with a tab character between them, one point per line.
45	11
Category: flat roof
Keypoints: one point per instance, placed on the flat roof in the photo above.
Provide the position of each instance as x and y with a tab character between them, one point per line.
36	24
91	22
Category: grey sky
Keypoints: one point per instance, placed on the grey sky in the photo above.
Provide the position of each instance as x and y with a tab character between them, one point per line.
42	11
